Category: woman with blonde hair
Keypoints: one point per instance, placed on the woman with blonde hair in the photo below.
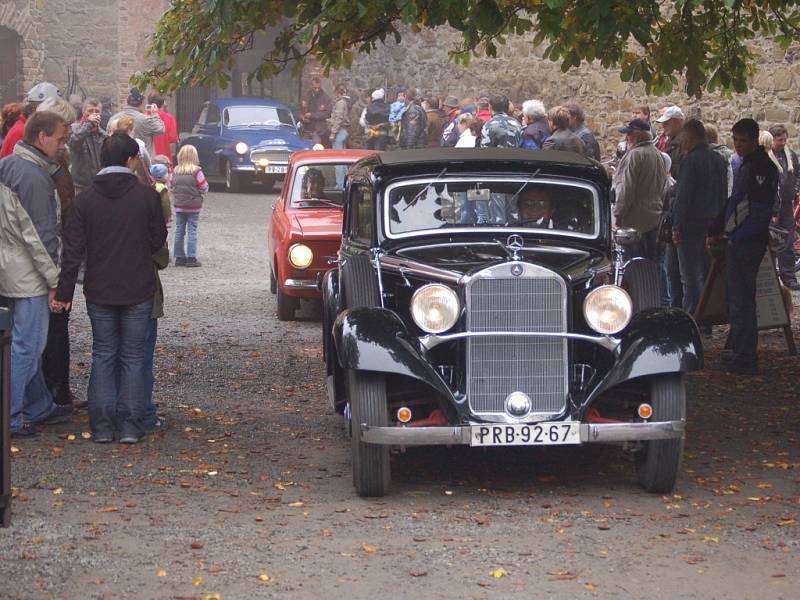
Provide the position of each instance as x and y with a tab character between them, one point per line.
189	185
126	124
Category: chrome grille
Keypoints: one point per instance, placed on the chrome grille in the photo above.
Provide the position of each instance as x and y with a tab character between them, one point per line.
273	156
498	366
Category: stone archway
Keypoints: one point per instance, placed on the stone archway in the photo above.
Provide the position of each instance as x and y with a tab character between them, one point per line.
10	65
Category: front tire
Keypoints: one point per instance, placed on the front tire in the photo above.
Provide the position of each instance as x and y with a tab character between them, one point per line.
368	403
233	181
659	461
286	306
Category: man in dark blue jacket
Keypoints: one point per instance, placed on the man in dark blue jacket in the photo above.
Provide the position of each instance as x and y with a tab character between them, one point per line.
700	195
745	222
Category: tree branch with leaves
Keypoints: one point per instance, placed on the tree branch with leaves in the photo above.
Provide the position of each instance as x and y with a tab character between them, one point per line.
705	43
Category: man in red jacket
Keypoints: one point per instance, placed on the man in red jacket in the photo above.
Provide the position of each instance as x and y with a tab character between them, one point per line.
164	143
37	94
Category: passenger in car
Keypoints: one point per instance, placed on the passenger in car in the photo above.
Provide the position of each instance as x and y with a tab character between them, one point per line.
536	208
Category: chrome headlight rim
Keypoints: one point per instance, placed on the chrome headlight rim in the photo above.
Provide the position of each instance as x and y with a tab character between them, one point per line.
419	320
295	249
626	307
241	148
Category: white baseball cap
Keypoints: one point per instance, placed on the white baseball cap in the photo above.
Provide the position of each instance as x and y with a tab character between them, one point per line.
42	91
378	94
672	112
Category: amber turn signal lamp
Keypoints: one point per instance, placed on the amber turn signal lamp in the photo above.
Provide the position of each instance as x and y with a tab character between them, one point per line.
645	411
404	414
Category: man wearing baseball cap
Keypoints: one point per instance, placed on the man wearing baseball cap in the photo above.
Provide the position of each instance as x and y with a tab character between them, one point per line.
639	184
35	96
672	120
145	126
450	133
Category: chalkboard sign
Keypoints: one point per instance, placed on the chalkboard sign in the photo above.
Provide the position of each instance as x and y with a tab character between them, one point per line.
771	309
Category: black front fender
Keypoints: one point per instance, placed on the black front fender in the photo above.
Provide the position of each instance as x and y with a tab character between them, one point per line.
376	339
658	340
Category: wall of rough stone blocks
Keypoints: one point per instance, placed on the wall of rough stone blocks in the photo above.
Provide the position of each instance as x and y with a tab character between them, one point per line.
106	39
420	60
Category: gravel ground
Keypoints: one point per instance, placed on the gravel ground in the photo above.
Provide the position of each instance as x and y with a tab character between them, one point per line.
248	493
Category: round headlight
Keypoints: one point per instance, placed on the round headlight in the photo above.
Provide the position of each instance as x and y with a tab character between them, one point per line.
300	256
608	309
241	148
434	308
263	162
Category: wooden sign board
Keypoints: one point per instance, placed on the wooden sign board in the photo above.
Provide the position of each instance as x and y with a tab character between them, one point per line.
771	310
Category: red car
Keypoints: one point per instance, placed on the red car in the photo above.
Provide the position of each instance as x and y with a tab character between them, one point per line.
306	225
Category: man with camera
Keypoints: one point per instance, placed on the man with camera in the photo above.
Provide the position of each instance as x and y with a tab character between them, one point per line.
147	124
84	145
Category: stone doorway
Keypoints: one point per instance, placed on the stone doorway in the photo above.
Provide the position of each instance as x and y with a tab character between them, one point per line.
10	66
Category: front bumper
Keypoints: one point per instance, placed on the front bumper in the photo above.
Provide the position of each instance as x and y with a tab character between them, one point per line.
302	284
590	433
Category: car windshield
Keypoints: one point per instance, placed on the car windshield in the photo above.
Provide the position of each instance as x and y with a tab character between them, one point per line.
318	185
255	116
465	204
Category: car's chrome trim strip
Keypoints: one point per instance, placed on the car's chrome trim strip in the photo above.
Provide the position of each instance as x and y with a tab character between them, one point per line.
249	168
433	340
300	284
414	268
453	435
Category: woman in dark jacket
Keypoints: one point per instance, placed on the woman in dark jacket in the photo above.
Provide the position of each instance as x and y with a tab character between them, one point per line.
116	225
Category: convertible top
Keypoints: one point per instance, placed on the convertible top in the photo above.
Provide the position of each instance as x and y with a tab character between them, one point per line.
478	155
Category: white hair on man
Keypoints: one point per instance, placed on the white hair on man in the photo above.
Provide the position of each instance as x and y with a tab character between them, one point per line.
534	109
59	106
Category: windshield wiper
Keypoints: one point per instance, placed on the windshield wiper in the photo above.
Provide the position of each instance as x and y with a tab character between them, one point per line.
324	201
424	190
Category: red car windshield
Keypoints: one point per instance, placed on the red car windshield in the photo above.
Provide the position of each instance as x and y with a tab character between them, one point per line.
319	185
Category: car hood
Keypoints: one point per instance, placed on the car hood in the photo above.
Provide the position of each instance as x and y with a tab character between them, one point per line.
268	137
319	223
471	257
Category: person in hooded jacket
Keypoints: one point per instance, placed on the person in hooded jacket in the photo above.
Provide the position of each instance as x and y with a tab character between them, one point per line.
116	225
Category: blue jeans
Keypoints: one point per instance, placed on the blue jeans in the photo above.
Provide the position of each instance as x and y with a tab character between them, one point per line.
149	378
116	385
31	401
693	262
340	142
186	225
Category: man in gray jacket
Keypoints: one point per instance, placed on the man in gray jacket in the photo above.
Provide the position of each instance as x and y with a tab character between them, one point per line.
84	145
30	251
639	184
145	126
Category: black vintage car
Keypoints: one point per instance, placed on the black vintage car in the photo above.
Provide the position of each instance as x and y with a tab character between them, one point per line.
478	301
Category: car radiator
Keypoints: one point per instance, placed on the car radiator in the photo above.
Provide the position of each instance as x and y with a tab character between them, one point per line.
533	301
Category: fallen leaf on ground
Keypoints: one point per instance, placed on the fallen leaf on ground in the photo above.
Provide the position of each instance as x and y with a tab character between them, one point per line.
295	504
87	435
711	538
264	577
197	581
71	437
58	491
498	572
162	573
108	509
562	575
418	573
195	545
14	449
39	539
369	548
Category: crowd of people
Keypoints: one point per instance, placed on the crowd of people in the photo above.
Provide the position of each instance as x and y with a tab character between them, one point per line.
86	195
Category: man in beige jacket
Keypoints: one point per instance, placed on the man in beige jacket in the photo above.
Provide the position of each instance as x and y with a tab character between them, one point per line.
639	184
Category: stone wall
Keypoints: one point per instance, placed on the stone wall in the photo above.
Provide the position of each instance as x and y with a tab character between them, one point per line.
520	72
107	39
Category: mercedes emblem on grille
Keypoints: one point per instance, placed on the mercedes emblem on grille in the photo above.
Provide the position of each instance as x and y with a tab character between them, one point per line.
516	270
515	242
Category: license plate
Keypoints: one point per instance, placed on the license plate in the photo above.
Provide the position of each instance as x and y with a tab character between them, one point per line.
540	434
275	169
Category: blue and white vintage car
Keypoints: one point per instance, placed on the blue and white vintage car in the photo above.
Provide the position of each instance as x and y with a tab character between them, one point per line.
241	140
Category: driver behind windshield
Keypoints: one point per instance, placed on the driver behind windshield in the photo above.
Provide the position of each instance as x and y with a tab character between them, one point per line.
536	208
314	185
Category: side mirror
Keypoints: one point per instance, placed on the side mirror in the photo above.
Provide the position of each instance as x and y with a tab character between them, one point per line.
299	127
